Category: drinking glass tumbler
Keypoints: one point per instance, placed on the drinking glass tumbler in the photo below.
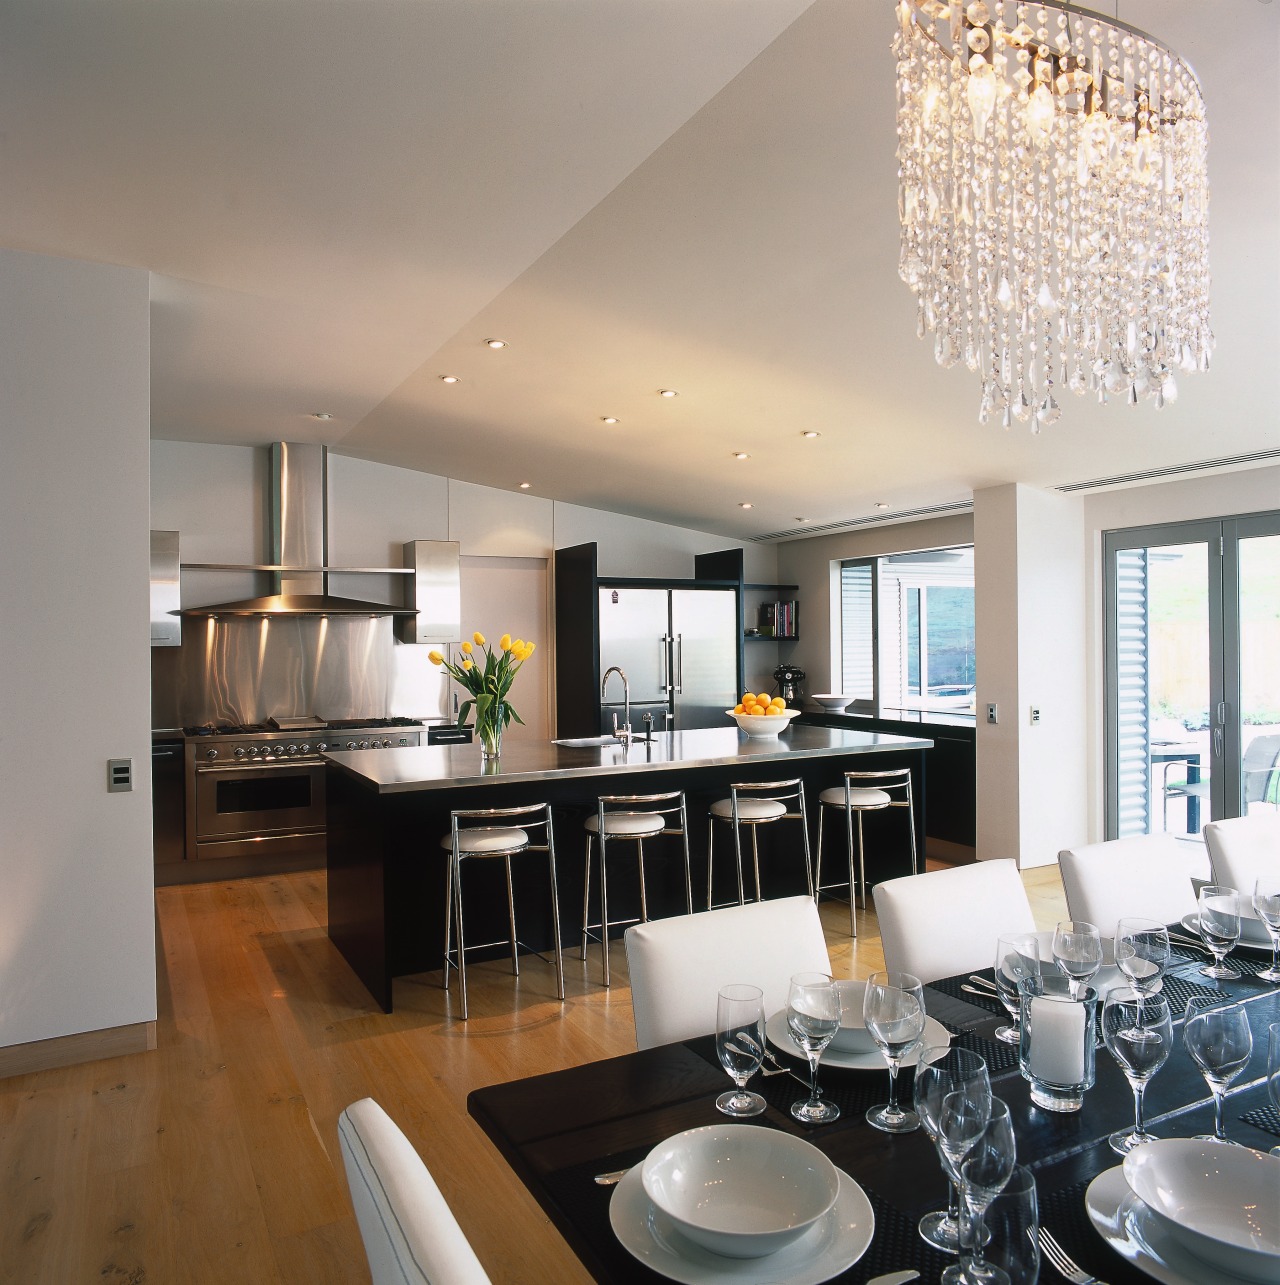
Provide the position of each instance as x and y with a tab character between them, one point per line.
1009	1230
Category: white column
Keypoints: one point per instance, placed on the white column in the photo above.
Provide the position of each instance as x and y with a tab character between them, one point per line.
1030	582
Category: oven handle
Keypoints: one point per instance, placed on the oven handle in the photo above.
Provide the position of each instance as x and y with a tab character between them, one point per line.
287	765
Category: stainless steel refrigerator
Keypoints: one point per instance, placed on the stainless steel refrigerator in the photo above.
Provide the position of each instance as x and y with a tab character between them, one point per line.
679	651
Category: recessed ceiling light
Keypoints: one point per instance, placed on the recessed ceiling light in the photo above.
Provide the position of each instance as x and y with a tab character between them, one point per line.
449	379
667	392
881	505
741	455
608	419
810	432
495	343
320	414
524	486
746	504
804	519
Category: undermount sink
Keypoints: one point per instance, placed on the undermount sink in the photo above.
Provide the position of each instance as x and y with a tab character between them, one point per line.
587	742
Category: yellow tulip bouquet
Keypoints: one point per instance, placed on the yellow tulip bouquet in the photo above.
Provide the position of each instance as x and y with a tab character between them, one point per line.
488	681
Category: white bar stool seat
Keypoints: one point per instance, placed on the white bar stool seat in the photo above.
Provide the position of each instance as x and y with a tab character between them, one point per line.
476	842
754	804
863	792
634	818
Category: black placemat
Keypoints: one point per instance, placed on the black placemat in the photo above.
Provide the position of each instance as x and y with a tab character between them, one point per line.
896	1244
1062	1213
1264	1118
1179	989
999	1056
951	986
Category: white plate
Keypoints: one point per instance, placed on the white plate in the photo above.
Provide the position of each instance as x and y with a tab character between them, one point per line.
834	1243
777	1033
1131	1229
1253	936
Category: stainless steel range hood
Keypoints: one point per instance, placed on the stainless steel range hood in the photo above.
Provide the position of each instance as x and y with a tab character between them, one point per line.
299	545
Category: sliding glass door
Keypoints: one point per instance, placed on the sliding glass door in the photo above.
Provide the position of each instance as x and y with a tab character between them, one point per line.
1193	687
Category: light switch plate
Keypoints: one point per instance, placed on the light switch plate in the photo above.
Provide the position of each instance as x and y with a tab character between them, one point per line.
991	713
1035	715
119	775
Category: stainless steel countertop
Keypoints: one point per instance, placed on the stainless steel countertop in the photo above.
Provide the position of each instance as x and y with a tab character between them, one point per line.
440	767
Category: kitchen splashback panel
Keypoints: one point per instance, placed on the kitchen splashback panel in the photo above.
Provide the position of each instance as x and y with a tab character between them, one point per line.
246	670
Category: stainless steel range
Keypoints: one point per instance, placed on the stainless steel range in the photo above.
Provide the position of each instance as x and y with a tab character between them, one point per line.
258	790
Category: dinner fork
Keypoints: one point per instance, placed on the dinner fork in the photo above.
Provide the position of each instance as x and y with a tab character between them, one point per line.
1066	1265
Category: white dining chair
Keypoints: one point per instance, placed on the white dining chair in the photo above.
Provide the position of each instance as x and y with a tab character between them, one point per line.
1243	849
410	1234
1148	875
945	922
678	965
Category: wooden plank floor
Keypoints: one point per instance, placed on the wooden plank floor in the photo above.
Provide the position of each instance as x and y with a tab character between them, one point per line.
215	1158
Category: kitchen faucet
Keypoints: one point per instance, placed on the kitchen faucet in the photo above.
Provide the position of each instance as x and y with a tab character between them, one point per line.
623	733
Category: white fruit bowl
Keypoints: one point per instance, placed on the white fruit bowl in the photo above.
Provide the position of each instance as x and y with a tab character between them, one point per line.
832	702
740	1190
764	724
1218	1202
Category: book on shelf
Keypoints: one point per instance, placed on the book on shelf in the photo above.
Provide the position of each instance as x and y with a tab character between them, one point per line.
777	619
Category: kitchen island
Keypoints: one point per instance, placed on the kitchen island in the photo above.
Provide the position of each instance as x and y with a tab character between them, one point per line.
389	808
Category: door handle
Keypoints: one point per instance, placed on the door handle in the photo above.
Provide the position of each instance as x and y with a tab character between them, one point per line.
1217	742
664	663
679	662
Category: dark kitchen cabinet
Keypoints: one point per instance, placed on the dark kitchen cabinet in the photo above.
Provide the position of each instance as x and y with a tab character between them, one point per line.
168	802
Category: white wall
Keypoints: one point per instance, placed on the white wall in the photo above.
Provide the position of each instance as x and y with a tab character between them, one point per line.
77	928
1029	586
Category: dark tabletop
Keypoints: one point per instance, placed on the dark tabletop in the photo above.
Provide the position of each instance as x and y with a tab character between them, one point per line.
557	1131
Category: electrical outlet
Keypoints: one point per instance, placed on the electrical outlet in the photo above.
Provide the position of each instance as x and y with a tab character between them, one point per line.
1035	715
991	713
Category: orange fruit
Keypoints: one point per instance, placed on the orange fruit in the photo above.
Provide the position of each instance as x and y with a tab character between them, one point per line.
738	709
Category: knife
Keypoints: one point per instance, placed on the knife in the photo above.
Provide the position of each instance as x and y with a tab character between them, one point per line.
895	1278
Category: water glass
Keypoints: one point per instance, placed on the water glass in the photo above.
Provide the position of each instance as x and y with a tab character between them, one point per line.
1266	905
1138	1032
1077	951
1057	1055
740	1046
1142	953
1221	1043
983	1175
813	1018
953	1101
1017	958
1220	927
893	1010
1009	1232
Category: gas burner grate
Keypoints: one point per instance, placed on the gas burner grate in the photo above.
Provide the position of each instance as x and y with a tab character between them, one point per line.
225	729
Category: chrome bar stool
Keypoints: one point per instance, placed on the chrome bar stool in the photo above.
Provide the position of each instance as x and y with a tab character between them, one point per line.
635	817
502	839
864	792
755	804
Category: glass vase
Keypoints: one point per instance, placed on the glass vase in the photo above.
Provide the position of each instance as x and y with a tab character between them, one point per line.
489	730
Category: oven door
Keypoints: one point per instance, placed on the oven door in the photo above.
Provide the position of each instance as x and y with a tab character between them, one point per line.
244	803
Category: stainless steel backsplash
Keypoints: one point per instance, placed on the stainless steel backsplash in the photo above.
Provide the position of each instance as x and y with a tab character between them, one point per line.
244	671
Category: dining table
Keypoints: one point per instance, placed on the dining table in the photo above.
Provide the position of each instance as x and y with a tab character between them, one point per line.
560	1130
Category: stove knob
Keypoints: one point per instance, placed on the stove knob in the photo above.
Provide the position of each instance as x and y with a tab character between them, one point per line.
291	749
364	745
351	745
305	748
211	754
240	752
386	743
322	747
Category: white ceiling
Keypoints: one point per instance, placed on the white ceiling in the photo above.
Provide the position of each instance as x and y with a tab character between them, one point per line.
341	199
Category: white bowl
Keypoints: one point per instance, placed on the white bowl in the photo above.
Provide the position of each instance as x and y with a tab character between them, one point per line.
764	724
1221	1203
832	702
742	1190
853	1036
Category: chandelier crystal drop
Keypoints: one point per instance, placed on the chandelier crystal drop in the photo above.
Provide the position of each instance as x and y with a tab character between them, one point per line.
1054	199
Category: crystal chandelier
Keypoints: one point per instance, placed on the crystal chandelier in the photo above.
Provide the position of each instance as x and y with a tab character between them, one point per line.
1053	195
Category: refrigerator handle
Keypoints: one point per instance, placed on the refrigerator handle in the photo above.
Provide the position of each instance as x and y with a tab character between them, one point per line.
664	663
679	662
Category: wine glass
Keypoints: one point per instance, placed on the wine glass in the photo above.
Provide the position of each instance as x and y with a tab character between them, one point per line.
1138	1031
1273	1070
1017	957
1142	953
1077	951
953	1101
813	1017
1219	1040
983	1174
1266	903
740	1045
1220	927
893	1009
1010	1232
